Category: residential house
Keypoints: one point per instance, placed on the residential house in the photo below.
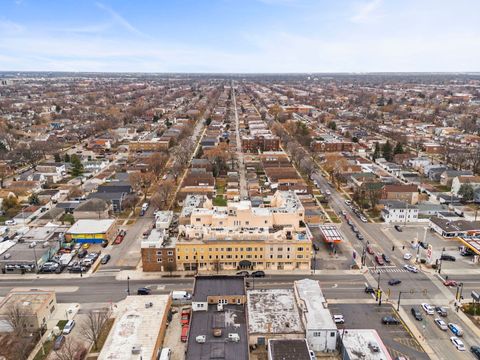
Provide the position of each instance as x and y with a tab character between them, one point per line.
407	193
398	212
458	181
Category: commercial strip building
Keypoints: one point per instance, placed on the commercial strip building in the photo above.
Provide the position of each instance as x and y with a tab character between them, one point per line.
218	306
139	328
91	231
288	349
320	329
359	344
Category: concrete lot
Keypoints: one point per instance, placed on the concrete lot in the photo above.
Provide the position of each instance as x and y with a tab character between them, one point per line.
172	337
397	338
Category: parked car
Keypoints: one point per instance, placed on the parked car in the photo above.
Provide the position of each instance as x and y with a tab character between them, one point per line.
386	258
442	311
355	229
338	319
416	313
398	228
450	283
390	320
119	238
258	273
104	243
457	343
363	219
105	259
379	260
348	202
394	282
446	257
369	290
370	250
428	308
360	236
82	253
185	316
67	329
407	256
10	222
475	351
57	344
410	268
441	324
184	334
243	273
144	291
423	244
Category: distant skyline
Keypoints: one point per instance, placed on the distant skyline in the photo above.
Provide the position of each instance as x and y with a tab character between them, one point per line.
247	36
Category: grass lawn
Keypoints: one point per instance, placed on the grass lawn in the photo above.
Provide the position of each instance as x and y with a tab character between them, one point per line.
219	201
61	324
103	335
442	188
47	346
333	216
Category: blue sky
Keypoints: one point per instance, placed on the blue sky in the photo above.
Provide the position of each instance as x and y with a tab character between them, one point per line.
240	35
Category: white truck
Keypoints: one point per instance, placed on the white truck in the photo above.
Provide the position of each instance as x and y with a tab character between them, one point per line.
181	295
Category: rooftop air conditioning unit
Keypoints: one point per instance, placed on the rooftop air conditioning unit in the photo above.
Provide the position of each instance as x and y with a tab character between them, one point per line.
137	349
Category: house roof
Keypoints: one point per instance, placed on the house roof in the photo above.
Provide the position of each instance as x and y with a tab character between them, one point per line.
217	285
93	204
401	188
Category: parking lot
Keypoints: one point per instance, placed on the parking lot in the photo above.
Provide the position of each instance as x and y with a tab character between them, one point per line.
397	338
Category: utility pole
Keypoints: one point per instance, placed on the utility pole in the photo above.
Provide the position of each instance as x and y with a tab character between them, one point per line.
398	302
378	287
441	261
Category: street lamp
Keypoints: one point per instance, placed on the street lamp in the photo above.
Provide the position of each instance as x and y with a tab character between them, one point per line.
128	285
378	286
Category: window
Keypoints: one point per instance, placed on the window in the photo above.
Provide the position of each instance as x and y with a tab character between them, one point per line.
186	257
170	260
332	334
247	222
317	334
229	249
280	249
159	260
279	256
266	221
197	219
300	249
170	253
159	253
299	256
248	249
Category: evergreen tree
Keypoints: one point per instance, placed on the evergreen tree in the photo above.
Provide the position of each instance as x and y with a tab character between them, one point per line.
77	167
33	199
387	151
467	192
398	149
376	152
67	158
57	157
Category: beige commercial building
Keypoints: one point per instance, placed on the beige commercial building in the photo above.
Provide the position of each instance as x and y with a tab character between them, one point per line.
35	307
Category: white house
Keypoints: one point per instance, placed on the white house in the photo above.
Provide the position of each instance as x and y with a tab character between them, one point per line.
398	212
458	181
320	329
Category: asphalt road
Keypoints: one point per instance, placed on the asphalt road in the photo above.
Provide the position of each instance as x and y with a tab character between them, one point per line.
107	289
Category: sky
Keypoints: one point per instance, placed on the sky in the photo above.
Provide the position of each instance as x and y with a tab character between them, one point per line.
243	36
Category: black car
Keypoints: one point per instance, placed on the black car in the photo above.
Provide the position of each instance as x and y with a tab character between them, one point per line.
258	273
355	229
416	314
144	291
82	253
386	258
315	247
475	351
105	259
467	252
398	228
104	243
394	282
369	290
446	257
243	273
423	244
77	269
360	236
390	320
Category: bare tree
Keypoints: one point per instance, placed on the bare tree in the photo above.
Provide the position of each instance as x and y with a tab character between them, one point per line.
156	163
93	324
141	181
71	350
17	318
160	197
75	192
307	166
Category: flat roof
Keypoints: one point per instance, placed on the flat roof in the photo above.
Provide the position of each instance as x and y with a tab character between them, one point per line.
283	349
136	325
87	226
330	233
230	320
217	285
273	311
31	301
356	342
314	305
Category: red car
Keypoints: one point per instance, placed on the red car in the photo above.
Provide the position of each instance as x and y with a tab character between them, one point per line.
450	283
370	250
379	260
184	334
185	317
120	236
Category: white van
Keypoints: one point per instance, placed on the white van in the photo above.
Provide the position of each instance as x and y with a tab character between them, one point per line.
69	327
181	295
165	354
145	206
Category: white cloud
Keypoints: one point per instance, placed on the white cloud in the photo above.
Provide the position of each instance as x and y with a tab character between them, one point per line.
7	26
366	11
